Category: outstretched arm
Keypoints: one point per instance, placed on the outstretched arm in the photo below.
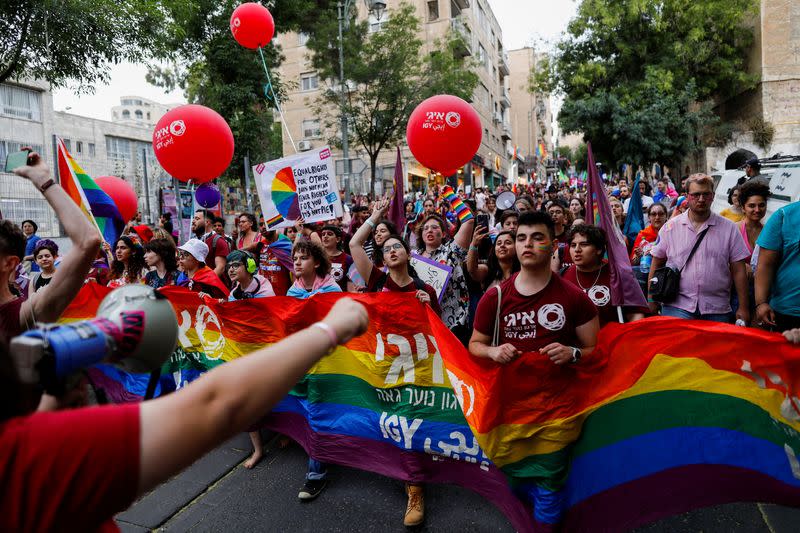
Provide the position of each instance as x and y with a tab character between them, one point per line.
47	306
360	258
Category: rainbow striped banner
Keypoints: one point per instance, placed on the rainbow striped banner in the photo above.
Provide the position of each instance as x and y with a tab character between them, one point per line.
666	416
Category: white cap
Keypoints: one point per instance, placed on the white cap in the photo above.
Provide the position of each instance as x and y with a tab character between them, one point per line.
197	248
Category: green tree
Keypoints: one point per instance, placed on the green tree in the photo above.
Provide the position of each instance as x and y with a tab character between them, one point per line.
389	76
75	40
215	71
639	76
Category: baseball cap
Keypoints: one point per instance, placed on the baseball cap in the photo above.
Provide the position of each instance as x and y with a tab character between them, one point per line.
197	248
144	232
753	162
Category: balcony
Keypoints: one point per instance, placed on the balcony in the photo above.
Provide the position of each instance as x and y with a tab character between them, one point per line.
502	63
464	47
505	132
461	4
505	98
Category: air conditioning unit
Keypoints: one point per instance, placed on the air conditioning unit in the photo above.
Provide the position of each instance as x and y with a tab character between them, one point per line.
304	146
498	117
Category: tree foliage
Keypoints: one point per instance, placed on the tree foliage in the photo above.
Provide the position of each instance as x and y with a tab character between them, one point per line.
639	76
215	71
75	40
389	75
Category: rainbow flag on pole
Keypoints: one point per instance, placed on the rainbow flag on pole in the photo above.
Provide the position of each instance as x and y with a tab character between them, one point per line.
98	206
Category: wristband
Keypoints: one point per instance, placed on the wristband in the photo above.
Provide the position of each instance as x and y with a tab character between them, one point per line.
471	247
46	185
371	223
456	204
329	332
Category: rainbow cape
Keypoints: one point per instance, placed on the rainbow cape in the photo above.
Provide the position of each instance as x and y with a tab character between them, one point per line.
96	205
651	424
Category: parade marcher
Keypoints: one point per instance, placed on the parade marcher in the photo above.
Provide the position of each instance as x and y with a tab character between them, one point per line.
196	275
29	228
491	210
563	322
44	253
753	199
508	221
128	265
161	256
502	262
705	280
380	232
218	249
591	274
657	216
16	313
453	253
340	262
777	277
577	208
219	229
273	262
733	213
248	238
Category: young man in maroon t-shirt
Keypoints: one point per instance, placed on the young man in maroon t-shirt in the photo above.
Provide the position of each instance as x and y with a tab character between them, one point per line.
269	264
541	315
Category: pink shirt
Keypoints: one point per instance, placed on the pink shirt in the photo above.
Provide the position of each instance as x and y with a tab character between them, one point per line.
706	280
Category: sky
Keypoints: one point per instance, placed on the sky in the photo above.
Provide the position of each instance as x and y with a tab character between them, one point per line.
523	23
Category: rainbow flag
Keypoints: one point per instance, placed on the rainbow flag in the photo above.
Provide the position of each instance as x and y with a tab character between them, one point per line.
98	206
649	425
274	221
541	150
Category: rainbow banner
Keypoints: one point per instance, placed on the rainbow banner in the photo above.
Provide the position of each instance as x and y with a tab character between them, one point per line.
96	205
653	423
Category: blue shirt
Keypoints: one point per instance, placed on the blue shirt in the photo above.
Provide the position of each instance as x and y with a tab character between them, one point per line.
29	246
782	234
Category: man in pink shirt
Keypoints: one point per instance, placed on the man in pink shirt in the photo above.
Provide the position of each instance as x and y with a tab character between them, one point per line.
705	286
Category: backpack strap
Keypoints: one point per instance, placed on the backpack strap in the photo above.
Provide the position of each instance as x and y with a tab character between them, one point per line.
697	242
496	334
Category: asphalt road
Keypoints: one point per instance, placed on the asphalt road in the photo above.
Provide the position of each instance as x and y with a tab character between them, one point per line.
217	494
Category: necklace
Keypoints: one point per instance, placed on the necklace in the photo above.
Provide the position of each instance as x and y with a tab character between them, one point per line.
578	279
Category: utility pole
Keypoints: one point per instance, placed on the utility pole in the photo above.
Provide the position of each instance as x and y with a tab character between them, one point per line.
343	105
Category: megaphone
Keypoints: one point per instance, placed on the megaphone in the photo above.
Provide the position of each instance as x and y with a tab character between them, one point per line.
135	328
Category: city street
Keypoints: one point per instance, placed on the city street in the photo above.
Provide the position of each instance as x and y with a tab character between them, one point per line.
218	494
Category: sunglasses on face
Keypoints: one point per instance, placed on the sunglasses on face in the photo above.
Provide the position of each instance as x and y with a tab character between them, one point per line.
389	248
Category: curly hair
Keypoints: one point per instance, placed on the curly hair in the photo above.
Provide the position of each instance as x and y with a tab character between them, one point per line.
752	188
165	249
135	262
595	235
437	218
45	244
316	252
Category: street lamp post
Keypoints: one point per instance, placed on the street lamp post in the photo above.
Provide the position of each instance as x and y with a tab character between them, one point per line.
374	6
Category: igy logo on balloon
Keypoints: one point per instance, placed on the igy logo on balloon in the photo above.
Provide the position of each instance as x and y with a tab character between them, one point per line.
177	128
437	120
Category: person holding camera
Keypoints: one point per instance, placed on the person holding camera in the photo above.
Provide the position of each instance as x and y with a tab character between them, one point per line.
75	469
18	314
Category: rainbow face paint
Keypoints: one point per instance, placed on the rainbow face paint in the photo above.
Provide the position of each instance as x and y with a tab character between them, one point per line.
545	246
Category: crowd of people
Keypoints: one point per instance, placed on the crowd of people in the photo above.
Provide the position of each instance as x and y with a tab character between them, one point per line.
533	277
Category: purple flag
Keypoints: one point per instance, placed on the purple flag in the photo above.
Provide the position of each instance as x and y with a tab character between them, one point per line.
625	290
397	210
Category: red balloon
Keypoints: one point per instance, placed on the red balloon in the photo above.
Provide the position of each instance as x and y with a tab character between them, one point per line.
252	25
193	142
444	132
121	193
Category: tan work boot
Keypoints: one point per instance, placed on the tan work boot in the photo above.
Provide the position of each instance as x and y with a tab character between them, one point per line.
415	512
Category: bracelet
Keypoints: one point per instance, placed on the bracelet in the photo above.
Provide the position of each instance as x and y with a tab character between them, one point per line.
471	247
46	185
371	223
329	332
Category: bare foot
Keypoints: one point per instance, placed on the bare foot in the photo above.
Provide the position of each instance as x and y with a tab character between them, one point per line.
254	459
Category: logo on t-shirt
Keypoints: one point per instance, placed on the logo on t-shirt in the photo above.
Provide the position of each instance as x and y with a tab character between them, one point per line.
600	295
552	317
337	271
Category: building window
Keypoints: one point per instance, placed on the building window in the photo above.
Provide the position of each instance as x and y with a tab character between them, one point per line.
311	129
139	114
482	95
68	144
118	148
433	10
91	150
148	115
78	147
309	81
302	39
17	102
126	114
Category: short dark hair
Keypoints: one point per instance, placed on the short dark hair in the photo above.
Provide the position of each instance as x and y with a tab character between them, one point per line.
12	240
753	187
250	216
730	194
45	244
165	249
532	218
658	204
220	220
207	214
439	220
316	252
508	213
359	209
595	235
32	223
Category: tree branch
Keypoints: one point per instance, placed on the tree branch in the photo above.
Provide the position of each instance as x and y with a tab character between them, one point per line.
7	71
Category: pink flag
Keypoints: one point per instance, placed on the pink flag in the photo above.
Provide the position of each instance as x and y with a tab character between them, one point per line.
625	290
397	210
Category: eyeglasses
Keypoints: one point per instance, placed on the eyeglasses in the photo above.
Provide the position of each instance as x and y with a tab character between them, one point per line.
184	255
234	265
696	195
389	248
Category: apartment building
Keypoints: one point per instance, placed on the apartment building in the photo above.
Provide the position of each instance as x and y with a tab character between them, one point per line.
531	114
138	111
101	148
483	39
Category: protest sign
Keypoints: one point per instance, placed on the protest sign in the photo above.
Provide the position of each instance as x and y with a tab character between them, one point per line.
298	186
433	273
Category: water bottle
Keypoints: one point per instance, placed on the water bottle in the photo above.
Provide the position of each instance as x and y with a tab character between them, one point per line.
644	263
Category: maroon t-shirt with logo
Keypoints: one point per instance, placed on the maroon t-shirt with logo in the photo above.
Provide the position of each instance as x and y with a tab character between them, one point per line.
532	322
597	286
340	265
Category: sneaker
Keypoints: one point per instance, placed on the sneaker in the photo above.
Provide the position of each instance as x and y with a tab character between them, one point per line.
415	511
311	489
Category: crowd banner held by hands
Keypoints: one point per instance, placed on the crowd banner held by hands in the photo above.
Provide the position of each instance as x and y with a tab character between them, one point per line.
651	425
193	143
298	186
95	203
434	273
625	290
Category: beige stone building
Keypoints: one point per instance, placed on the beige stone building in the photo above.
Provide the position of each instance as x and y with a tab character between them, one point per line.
531	114
474	20
775	59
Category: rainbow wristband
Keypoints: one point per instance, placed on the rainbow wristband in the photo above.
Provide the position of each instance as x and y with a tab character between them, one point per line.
457	204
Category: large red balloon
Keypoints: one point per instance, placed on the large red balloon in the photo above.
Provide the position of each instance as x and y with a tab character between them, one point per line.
193	142
444	132
121	193
252	25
